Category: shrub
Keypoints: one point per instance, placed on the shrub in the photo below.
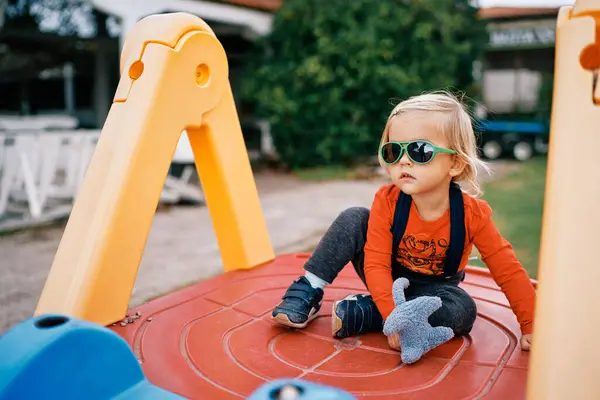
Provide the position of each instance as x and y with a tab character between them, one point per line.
327	75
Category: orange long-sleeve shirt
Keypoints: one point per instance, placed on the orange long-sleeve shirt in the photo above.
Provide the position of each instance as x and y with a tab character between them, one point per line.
423	249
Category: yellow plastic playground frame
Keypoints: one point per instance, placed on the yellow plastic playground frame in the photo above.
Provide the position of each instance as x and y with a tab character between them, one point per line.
175	77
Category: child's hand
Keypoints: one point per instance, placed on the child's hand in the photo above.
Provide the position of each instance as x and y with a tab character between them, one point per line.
526	342
394	341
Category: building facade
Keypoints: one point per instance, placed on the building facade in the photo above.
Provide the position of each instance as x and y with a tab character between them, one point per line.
518	65
46	69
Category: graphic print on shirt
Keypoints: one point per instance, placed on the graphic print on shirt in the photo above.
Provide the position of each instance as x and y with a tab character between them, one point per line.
425	255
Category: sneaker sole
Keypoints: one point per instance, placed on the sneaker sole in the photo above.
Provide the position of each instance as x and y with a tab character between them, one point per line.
336	322
284	320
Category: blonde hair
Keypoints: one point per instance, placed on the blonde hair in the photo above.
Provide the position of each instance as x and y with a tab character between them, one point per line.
456	125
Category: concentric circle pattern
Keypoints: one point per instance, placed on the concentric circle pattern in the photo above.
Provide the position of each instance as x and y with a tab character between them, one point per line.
215	340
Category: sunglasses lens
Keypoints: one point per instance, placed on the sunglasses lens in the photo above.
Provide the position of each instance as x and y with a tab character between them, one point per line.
390	152
420	152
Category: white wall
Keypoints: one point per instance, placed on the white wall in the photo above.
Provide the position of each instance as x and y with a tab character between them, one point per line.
505	90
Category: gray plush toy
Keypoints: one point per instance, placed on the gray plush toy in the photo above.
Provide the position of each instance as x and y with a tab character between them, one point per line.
410	320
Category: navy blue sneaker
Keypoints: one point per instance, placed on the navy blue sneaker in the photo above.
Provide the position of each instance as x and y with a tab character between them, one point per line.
355	314
300	305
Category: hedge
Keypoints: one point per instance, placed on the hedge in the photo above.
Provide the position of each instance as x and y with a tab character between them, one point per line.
328	75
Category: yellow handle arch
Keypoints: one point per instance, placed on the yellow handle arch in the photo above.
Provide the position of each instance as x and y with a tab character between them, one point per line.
175	77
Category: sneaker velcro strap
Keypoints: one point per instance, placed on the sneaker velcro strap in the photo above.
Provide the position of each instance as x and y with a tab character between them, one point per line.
301	287
298	294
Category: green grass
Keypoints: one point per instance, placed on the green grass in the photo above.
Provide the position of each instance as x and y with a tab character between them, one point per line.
517	202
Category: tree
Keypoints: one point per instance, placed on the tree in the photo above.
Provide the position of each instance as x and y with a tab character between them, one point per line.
326	75
56	17
40	35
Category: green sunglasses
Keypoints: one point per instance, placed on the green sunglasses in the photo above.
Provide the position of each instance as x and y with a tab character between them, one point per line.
419	151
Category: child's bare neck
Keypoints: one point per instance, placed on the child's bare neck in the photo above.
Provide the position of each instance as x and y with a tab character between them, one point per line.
432	205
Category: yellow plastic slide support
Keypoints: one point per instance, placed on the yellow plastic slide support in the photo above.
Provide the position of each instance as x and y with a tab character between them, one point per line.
565	359
174	77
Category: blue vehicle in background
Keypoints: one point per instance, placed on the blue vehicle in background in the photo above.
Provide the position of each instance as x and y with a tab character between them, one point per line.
520	140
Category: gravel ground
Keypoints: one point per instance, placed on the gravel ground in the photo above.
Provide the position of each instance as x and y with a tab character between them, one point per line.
297	213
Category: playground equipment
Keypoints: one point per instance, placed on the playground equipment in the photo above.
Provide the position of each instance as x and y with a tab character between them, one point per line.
214	339
564	360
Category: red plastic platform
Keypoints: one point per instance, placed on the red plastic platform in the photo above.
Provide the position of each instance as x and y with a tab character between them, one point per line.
214	340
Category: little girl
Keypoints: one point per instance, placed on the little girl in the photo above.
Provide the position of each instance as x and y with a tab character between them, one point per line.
428	148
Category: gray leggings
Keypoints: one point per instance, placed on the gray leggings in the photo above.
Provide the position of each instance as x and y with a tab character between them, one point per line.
344	242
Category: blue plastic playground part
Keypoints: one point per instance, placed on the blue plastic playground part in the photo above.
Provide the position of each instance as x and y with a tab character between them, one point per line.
56	357
303	391
535	127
